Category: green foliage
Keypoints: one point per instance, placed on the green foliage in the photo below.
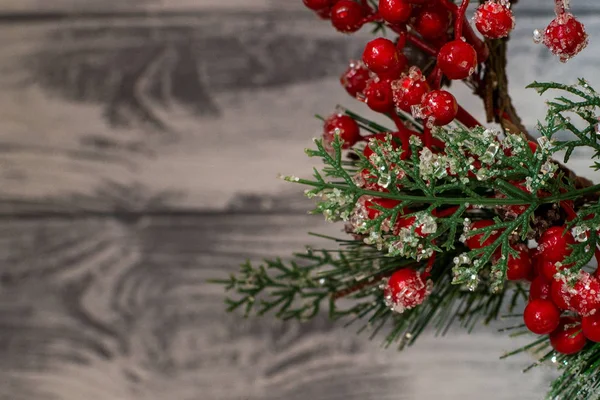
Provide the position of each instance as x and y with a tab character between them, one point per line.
434	196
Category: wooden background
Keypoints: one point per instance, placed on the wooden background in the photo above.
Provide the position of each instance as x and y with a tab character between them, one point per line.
139	144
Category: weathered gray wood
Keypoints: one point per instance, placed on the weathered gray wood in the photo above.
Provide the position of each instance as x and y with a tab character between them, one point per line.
102	308
193	110
115	130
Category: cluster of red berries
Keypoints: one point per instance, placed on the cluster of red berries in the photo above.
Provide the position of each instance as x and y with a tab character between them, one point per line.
384	79
552	294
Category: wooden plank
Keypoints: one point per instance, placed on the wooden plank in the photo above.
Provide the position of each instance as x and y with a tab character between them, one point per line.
99	308
191	113
532	7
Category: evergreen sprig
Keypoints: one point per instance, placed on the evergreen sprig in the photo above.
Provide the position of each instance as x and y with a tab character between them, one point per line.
435	195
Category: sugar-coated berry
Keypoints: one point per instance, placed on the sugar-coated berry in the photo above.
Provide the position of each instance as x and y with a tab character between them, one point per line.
590	326
494	20
519	267
539	289
585	296
549	268
317	5
560	294
565	36
355	79
347	16
382	57
440	107
554	244
406	289
541	316
378	95
431	22
395	11
457	59
372	204
345	127
410	90
568	338
475	241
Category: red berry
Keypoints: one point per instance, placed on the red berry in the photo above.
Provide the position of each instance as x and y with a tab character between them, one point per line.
394	11
560	294
568	338
532	146
474	242
382	57
586	295
345	127
371	204
541	316
409	90
590	326
379	96
457	59
354	80
318	4
347	16
440	107
324	13
554	244
494	20
548	269
539	289
519	267
432	22
406	289
565	36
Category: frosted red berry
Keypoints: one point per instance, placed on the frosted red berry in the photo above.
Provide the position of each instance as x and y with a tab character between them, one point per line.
382	57
355	78
539	289
372	204
395	11
590	326
568	338
431	22
549	268
541	316
560	294
439	107
345	127
475	241
565	36
347	16
317	5
410	90
379	96
585	298
494	20
405	289
519	267
554	244
457	59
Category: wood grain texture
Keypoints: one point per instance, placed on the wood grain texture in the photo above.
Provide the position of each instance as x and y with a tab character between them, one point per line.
138	156
168	104
101	308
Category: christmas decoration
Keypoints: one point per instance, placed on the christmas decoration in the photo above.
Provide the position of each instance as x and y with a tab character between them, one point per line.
447	221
